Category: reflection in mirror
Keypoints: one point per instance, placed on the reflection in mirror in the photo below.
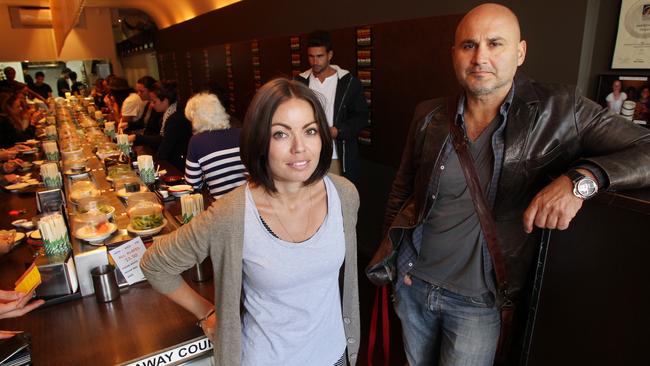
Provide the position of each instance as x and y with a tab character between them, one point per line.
56	77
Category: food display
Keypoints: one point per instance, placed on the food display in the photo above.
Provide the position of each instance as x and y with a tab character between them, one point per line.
118	170
146	221
128	184
93	226
96	137
76	164
87	123
83	189
70	148
106	149
145	214
100	204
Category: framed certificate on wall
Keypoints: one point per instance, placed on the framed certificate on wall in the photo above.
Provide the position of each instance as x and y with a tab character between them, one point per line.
632	48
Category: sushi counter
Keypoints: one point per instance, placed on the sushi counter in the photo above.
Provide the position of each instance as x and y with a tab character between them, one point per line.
95	202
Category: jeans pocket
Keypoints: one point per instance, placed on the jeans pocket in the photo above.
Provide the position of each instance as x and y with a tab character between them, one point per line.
482	301
485	301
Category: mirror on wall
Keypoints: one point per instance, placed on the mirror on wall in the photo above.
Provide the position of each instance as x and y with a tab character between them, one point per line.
87	72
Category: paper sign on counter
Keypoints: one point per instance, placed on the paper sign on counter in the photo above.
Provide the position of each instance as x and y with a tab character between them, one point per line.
29	280
127	258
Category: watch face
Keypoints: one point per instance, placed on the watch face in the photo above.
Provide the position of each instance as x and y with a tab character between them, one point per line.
586	187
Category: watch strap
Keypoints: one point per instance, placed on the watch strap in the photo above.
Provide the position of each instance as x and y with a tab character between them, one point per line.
574	175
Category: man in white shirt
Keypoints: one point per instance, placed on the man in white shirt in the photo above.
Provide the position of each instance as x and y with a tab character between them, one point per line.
343	102
128	105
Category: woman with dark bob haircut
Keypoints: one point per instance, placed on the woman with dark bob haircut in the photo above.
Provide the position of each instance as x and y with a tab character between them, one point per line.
277	244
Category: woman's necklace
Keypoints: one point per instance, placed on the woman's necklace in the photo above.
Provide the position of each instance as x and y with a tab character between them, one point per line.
282	224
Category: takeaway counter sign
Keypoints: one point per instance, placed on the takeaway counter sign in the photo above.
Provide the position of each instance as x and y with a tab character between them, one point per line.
176	355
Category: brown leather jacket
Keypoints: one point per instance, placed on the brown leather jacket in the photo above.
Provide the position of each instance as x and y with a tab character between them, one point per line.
550	128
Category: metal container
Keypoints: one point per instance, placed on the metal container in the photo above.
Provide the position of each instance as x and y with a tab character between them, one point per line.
105	283
200	272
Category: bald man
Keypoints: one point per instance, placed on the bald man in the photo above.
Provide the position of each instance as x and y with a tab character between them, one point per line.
518	133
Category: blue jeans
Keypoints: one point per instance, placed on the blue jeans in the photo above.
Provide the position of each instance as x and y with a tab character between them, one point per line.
443	328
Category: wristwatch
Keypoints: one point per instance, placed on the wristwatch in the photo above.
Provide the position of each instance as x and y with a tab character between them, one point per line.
584	187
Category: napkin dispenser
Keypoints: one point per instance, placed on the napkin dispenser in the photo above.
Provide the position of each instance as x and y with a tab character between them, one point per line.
86	261
58	276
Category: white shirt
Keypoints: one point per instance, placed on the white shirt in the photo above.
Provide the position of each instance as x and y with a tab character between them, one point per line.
616	104
327	93
133	106
291	296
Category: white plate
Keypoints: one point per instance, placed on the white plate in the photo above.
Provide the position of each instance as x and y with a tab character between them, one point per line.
17	187
19	236
23	223
147	232
71	152
94	239
25	168
179	194
70	172
36	235
93	193
180	190
124	194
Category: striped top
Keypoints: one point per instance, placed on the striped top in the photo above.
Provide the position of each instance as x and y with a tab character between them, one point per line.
213	158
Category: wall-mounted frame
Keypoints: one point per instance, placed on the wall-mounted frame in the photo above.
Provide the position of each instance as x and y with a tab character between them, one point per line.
634	89
632	48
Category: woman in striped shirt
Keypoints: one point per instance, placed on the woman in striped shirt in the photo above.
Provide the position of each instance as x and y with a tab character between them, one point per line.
213	151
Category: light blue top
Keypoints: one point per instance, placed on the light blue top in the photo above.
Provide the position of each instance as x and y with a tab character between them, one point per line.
291	292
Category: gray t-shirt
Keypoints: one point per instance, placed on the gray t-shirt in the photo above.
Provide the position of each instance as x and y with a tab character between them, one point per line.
451	254
291	292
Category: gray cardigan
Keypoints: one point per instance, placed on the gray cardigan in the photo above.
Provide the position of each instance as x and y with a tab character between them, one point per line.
218	232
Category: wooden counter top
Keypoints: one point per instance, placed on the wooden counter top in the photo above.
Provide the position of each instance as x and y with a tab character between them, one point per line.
84	332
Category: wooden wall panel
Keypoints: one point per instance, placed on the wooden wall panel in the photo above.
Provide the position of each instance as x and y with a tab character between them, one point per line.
242	68
275	58
344	47
167	65
412	63
184	75
198	71
217	60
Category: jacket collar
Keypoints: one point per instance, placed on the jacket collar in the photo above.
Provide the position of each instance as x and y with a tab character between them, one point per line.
524	88
339	72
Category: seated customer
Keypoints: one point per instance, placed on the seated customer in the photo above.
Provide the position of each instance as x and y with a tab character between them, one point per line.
11	126
8	154
12	303
213	151
175	131
98	93
149	122
124	102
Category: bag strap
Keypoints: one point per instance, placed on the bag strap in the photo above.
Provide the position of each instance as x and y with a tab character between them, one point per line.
478	198
488	227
